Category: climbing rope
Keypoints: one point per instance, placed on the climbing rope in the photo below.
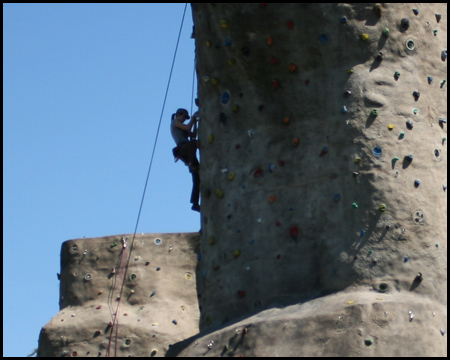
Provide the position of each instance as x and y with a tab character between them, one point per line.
115	322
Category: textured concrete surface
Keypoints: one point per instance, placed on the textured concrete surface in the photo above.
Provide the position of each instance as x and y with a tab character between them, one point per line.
316	222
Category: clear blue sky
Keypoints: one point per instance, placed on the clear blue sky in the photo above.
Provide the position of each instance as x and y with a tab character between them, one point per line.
83	89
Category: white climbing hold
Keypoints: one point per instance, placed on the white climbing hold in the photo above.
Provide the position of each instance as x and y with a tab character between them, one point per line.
411	315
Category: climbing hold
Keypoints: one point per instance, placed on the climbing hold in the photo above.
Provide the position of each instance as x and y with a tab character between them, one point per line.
390	126
396	75
227	42
295	141
273	60
290	24
88	277
236	253
401	135
409	158
211	240
435	32
350	71
377	151
443	83
336	197
174	322
411	315
272	198
377	10
281	162
205	78
158	241
362	233
386	32
444	55
347	93
416	94
404	23
415	11
357	160
210	138
276	84
324	151
269	40
133	277
224	24
350	302
374	112
219	193
100	292
113	244
409	125
241	293
416	183
127	342
214	81
382	207
258	173
235	108
438	17
231	61
355	205
364	37
436	152
147	263
355	173
323	38
368	342
343	20
380	56
395	159
383	287
293	231
410	45
430	79
153	293
158	268
271	168
286	120
188	276
153	353
292	67
208	43
344	110
225	97
231	176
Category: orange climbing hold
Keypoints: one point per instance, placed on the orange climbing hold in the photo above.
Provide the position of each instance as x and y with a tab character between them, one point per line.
286	120
269	40
292	67
272	198
295	141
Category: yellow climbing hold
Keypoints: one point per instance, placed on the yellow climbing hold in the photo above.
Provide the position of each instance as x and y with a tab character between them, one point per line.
364	37
188	276
357	160
351	302
211	240
224	24
231	176
208	320
382	207
183	307
219	193
214	81
236	253
208	43
155	324
231	61
235	108
390	126
350	71
210	138
379	298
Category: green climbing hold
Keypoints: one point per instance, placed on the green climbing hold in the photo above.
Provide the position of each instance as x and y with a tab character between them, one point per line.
113	244
355	205
368	342
386	32
374	112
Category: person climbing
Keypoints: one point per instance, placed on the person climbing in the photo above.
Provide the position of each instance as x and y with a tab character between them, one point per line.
186	149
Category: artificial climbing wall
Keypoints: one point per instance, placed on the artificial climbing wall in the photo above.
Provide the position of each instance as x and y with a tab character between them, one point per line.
149	283
323	155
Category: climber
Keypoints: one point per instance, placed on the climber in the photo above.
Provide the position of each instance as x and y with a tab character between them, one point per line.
186	149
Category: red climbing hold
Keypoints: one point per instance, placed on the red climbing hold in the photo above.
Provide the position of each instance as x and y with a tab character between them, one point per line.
273	60
306	82
98	307
294	231
276	84
244	332
290	24
241	293
278	257
262	5
258	173
281	163
278	223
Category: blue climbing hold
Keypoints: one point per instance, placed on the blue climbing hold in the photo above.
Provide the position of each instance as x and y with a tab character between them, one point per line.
225	97
377	151
362	232
416	183
227	42
444	55
344	110
323	38
430	79
336	197
343	20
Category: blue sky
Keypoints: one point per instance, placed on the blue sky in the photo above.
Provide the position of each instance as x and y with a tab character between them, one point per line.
83	89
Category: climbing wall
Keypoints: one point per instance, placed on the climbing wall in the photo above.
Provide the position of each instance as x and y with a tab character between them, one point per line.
155	299
323	167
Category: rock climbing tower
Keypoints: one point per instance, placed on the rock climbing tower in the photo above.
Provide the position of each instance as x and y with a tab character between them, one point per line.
323	194
323	168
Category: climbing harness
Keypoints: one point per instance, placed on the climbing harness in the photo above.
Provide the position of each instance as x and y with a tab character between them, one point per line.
123	267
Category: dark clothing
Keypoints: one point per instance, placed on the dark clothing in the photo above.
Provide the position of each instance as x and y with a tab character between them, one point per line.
186	151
